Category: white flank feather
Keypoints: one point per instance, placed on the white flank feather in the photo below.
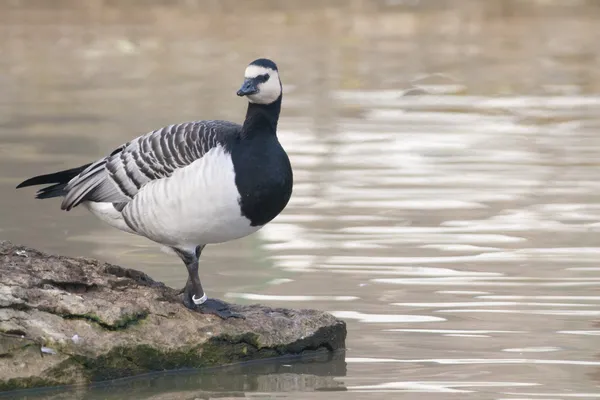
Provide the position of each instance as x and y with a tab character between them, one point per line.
106	212
198	204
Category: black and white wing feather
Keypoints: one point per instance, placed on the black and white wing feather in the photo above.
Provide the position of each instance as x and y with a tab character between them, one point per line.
155	155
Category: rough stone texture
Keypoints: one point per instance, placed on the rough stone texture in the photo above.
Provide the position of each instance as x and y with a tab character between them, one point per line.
74	320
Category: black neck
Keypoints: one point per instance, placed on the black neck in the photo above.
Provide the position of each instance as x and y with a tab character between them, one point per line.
261	119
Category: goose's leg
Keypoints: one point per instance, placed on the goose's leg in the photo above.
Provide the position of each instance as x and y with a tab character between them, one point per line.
194	297
182	290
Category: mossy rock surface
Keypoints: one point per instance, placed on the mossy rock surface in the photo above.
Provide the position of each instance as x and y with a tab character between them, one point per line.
74	320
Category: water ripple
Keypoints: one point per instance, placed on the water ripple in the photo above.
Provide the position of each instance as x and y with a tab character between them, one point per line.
471	361
434	386
383	318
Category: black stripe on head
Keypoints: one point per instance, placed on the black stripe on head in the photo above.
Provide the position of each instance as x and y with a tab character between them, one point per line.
264	62
262	78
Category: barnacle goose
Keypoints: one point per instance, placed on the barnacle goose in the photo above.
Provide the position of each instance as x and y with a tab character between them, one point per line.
190	184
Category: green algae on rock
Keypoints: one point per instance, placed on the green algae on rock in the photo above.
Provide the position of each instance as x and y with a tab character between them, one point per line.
74	320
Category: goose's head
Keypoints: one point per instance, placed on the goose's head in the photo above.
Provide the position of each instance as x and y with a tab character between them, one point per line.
261	82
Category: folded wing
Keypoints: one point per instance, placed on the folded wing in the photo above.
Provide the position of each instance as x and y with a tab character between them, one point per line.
118	177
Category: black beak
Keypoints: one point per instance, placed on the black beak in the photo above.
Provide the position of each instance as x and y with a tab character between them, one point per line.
248	87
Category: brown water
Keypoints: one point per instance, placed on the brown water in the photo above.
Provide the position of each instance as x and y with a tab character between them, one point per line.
446	157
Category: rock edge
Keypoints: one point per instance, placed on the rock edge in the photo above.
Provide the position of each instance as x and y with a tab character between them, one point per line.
76	320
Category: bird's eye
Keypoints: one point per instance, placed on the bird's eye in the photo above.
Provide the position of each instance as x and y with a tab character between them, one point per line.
263	78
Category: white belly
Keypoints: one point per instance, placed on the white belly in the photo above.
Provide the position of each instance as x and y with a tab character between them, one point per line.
198	204
107	213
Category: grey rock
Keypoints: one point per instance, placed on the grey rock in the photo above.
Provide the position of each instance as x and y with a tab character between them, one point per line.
75	321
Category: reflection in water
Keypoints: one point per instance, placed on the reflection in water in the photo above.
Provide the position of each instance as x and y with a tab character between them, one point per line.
446	174
314	373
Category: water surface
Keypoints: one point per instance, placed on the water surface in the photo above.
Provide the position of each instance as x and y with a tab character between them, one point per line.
446	199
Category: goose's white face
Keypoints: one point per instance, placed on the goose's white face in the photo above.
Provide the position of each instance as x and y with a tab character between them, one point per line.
266	81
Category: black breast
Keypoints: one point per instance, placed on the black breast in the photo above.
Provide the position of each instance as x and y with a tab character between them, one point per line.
263	176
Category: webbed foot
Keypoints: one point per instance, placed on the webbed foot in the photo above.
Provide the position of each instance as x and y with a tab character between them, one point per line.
209	306
218	308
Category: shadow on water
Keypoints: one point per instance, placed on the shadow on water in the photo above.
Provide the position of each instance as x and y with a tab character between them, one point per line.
307	374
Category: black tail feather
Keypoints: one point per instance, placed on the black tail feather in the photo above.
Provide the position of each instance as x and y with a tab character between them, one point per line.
57	190
58	179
